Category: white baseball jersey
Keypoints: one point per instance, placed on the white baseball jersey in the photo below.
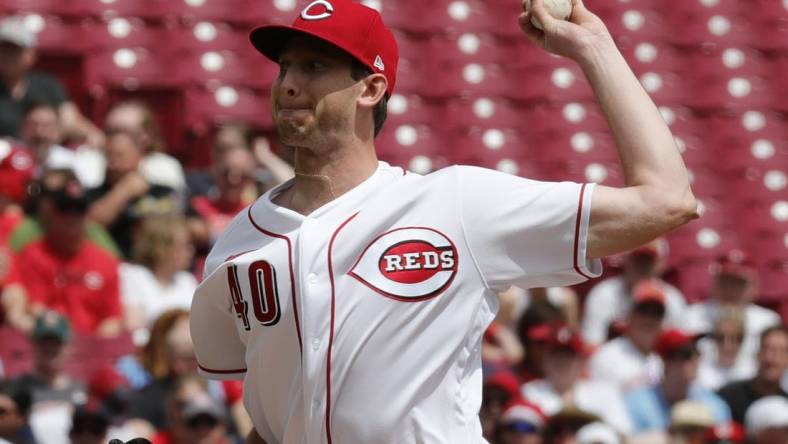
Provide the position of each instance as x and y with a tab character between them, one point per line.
362	322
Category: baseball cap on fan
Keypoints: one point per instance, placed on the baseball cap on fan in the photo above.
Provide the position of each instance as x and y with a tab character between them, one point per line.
350	26
14	30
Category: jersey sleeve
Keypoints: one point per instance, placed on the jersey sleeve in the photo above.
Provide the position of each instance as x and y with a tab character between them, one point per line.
219	350
526	232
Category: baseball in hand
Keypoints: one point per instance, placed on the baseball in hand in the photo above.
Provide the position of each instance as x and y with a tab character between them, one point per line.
560	9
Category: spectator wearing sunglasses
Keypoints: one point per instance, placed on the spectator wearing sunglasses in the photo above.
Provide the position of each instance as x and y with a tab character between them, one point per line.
193	416
650	407
772	365
721	361
629	361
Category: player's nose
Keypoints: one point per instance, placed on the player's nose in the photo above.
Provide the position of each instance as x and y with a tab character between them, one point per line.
289	83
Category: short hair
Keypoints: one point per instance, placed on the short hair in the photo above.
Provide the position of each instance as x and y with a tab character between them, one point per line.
149	125
21	396
780	328
380	112
38	104
155	354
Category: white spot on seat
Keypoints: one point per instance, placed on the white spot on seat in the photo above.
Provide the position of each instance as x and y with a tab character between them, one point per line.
574	112
5	149
212	61
119	28
582	142
651	81
420	164
753	120
124	58
779	210
709	3
646	52
469	43
459	11
680	144
701	207
739	87
195	3
398	104
775	180
596	172
707	238
633	20
406	135
473	73
226	96
205	31
507	166
719	25
563	78
285	5
733	58
483	108
493	139
762	149
667	115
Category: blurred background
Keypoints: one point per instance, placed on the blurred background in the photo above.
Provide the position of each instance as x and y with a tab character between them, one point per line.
132	131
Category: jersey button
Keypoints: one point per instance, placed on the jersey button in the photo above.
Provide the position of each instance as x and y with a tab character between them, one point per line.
315	343
312	278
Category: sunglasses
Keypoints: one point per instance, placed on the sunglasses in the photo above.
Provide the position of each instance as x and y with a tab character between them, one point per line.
202	421
685	354
649	309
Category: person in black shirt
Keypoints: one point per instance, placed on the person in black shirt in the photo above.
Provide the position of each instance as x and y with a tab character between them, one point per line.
20	87
772	364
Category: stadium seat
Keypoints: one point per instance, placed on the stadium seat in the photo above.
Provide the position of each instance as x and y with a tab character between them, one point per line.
124	32
208	36
16	353
206	107
416	109
234	11
131	68
204	67
55	34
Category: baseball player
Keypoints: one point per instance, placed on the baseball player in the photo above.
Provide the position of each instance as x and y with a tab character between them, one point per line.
352	299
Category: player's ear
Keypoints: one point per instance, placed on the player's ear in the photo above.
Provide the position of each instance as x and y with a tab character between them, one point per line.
375	86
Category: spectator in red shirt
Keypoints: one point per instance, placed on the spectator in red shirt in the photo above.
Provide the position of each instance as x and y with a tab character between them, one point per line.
64	271
16	170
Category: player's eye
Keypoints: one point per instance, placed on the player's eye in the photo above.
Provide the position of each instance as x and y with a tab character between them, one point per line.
315	65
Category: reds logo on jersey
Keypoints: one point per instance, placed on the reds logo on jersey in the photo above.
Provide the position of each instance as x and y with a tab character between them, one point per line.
408	264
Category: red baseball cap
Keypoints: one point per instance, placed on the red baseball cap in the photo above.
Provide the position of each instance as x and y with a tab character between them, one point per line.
738	263
350	26
731	432
563	337
17	167
672	340
648	290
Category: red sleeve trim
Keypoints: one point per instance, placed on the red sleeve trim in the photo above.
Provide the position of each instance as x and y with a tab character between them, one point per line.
221	372
577	233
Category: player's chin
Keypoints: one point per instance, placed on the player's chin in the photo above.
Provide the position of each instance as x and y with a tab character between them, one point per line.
292	135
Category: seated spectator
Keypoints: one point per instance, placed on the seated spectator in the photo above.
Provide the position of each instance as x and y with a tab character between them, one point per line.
88	426
31	228
564	359
772	364
532	331
15	415
233	177
689	422
564	425
500	347
126	197
54	393
20	86
610	300
108	392
168	358
193	416
767	421
157	281
731	433
156	166
629	361
42	134
521	423
16	170
735	286
721	362
649	407
597	433
500	390
64	271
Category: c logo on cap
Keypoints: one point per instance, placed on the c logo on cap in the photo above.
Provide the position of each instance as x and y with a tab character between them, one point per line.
329	10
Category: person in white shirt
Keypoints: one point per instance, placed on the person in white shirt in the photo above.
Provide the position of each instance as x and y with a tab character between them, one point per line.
629	361
42	133
735	286
610	300
157	281
562	386
720	361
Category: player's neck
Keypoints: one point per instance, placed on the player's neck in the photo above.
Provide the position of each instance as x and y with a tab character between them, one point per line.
321	178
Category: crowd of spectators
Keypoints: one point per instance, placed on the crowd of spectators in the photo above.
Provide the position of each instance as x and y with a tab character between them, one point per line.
103	234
